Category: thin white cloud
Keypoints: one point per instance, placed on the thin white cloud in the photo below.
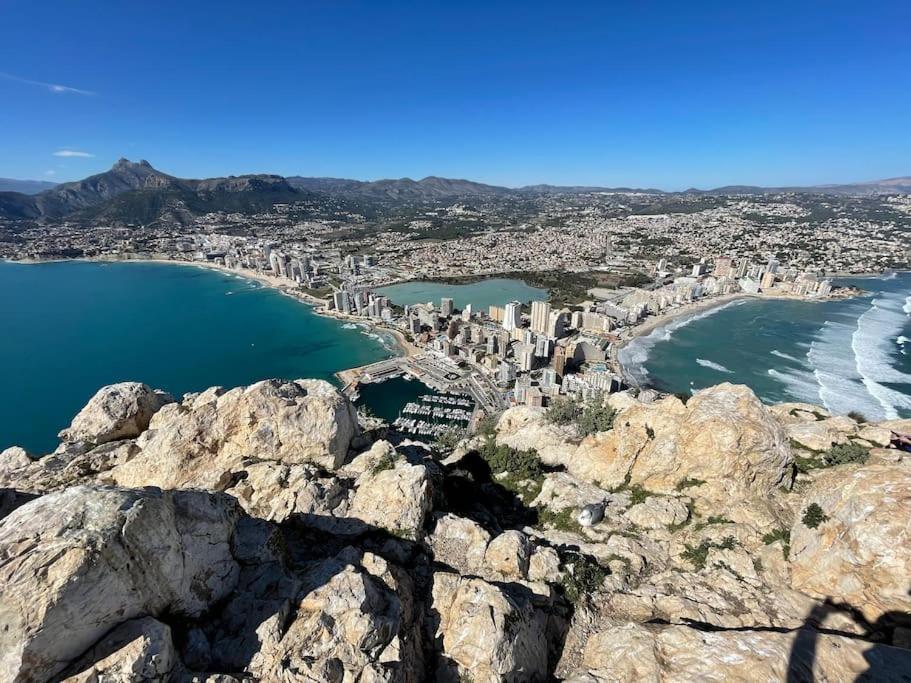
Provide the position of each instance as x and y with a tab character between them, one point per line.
50	173
73	153
52	87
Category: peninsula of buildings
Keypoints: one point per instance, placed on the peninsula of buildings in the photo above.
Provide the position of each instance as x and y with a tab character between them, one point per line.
615	262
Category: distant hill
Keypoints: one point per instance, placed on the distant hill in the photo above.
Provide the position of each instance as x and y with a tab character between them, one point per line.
889	186
24	186
135	192
431	187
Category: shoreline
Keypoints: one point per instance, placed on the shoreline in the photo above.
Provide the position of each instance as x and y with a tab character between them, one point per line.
685	311
319	306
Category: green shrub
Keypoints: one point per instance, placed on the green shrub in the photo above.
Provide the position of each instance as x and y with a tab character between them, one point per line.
386	462
487	425
522	469
564	520
697	555
449	439
583	577
857	416
638	494
813	516
589	418
596	417
844	453
688	482
779	534
563	411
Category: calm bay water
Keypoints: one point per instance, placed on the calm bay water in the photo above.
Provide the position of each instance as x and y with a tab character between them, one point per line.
70	328
481	295
845	354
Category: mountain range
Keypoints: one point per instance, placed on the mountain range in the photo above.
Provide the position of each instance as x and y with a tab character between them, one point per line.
25	186
135	192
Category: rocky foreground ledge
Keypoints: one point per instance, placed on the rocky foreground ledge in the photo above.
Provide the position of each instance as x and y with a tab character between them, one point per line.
264	533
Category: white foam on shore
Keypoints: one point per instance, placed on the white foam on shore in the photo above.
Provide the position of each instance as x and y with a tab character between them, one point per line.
850	363
713	366
634	355
872	348
349	326
776	352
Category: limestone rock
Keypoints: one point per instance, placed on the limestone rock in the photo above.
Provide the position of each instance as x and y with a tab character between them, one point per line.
137	650
207	440
14	458
488	633
459	543
68	467
275	491
875	434
508	555
816	436
76	563
658	512
525	428
118	411
861	554
349	624
723	437
797	413
678	653
395	495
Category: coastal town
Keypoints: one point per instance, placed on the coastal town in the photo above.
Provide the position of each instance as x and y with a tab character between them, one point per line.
610	265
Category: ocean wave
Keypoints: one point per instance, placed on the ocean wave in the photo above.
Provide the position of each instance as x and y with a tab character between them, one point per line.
634	355
793	359
901	340
800	384
907	307
713	366
349	326
870	342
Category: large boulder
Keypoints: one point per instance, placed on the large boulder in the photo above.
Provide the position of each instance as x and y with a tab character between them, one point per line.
207	440
392	494
118	411
76	563
722	438
860	553
525	428
353	621
633	652
488	632
137	650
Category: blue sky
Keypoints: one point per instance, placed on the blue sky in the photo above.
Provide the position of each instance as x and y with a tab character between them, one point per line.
659	94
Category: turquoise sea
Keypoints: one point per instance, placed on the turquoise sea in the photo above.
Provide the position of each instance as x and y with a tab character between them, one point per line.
849	354
70	328
481	295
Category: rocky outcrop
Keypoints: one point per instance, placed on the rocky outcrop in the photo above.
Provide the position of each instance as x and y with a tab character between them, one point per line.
632	652
723	437
289	546
488	633
207	440
77	563
118	411
137	650
860	551
392	494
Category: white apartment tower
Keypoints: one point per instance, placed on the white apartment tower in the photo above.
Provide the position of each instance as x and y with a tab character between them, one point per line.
512	316
540	316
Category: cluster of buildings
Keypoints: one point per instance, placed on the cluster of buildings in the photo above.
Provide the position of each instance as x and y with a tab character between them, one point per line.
532	353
